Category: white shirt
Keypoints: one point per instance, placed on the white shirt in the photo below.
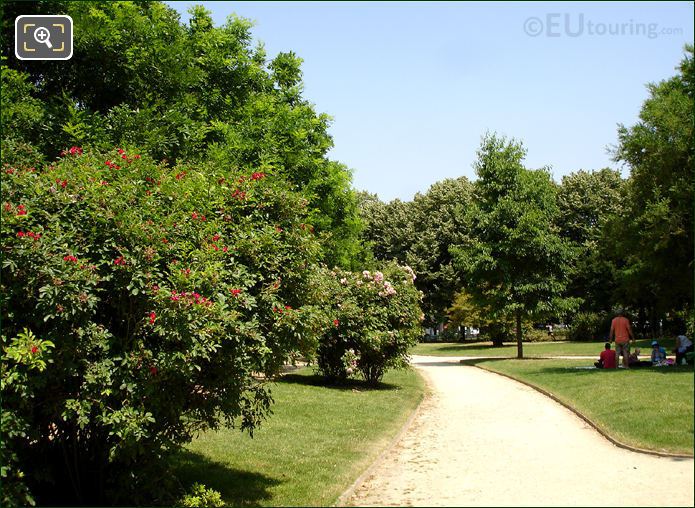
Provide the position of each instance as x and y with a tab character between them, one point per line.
683	343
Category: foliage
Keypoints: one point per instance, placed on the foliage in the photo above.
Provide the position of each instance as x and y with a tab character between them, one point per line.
590	326
202	497
166	291
655	255
139	77
587	201
514	261
374	318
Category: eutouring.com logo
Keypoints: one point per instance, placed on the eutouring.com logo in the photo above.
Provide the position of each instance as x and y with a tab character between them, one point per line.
558	24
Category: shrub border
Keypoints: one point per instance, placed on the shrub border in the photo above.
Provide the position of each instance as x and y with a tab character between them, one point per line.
586	419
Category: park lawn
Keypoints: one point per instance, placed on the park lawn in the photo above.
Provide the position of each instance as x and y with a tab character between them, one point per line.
314	446
652	409
531	349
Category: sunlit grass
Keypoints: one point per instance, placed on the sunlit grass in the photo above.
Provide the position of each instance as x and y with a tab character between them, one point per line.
648	408
318	441
530	348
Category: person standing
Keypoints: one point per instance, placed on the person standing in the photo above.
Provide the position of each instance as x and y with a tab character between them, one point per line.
621	332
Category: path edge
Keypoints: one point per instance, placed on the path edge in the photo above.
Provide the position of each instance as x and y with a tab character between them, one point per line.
347	494
590	422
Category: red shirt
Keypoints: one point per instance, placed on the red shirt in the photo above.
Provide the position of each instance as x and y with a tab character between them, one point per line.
608	357
621	327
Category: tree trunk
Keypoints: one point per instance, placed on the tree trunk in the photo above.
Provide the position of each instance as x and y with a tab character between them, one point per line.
519	346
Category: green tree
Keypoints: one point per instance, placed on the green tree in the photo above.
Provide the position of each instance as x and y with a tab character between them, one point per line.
440	219
654	234
587	201
514	261
184	93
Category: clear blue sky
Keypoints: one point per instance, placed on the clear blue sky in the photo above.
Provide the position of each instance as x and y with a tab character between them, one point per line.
413	86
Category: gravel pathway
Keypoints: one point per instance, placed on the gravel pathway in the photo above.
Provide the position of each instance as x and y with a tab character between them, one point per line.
481	439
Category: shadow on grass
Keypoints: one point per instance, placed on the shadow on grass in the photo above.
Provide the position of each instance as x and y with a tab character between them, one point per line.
582	370
348	384
238	488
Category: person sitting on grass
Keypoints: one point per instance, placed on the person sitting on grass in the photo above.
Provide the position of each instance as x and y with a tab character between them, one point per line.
658	354
634	361
607	358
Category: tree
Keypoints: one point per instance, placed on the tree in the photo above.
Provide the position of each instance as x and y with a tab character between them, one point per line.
184	93
653	237
513	261
587	201
440	219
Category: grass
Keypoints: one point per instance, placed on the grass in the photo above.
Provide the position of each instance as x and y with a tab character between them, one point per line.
648	408
486	349
317	442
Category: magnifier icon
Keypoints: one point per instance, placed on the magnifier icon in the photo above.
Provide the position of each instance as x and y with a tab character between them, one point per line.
43	36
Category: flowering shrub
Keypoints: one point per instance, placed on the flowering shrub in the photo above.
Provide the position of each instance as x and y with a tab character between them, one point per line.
373	319
161	295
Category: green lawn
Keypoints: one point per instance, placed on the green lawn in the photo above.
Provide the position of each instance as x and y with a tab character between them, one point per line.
530	348
649	408
318	441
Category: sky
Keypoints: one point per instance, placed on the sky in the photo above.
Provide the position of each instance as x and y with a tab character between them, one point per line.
413	86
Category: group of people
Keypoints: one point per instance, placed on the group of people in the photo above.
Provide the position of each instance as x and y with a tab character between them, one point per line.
621	332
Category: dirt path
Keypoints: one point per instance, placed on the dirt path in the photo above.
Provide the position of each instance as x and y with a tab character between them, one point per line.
481	439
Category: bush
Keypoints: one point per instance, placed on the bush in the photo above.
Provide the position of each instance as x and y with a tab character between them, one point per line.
166	291
589	326
202	497
374	318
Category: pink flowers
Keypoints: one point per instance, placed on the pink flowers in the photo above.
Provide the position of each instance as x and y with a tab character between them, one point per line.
235	292
257	176
378	277
119	261
21	210
70	259
153	317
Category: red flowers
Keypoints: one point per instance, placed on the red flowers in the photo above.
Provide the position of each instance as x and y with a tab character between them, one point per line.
21	210
112	165
180	175
28	234
62	183
70	259
195	216
119	261
153	370
336	322
215	238
74	150
153	316
235	292
257	176
186	272
237	194
190	298
34	350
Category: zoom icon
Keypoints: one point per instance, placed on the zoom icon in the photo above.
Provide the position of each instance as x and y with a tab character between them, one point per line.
39	37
